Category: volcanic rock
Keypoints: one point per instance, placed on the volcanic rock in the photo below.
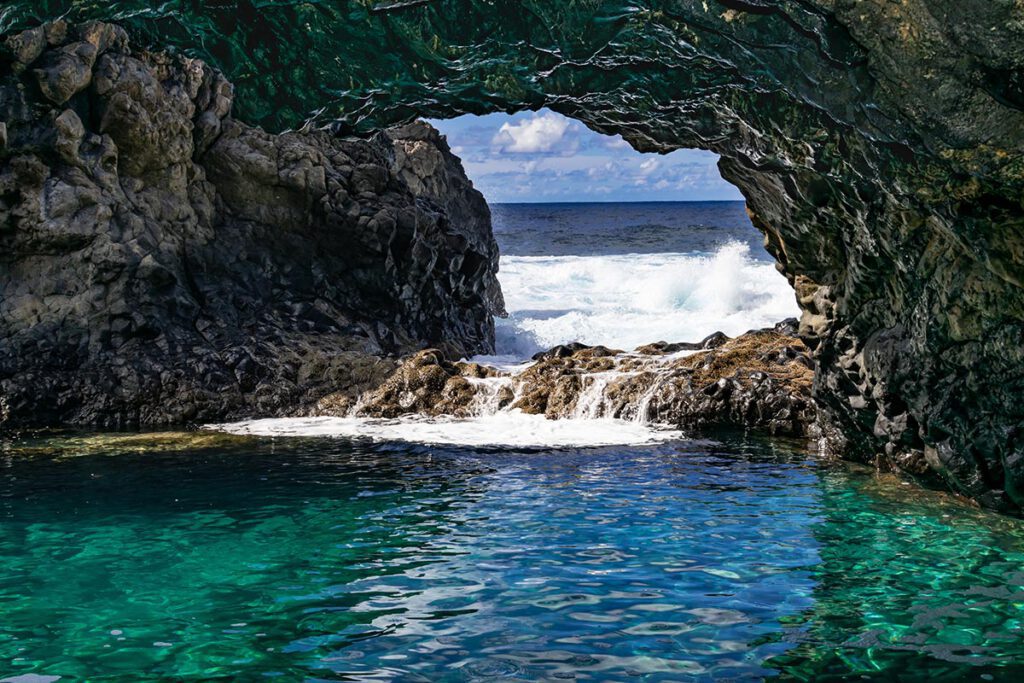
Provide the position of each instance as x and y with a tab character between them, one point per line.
879	146
161	262
759	381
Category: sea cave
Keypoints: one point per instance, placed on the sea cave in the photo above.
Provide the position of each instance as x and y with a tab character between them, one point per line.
215	212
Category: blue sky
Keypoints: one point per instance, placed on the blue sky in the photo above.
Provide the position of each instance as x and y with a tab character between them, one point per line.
545	157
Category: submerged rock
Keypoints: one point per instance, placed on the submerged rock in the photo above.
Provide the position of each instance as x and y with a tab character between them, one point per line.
58	444
162	262
759	381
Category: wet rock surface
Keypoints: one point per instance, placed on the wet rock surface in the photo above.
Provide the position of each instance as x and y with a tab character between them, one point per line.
161	262
758	381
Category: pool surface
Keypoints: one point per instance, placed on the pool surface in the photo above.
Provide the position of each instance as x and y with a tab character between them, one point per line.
202	556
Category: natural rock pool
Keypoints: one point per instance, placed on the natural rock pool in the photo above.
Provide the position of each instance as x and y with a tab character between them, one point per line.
201	556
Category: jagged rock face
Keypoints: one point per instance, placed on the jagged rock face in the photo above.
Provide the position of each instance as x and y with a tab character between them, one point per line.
162	262
759	381
428	167
880	146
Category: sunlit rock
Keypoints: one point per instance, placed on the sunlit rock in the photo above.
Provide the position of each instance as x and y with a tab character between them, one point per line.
759	381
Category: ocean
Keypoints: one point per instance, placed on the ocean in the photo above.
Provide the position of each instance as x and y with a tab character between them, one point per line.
616	274
627	274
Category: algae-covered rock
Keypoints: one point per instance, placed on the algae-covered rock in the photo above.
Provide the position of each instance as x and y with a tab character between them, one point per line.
759	381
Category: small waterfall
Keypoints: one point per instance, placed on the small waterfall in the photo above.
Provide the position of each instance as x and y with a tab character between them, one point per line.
357	406
596	398
623	393
643	405
592	402
487	399
621	387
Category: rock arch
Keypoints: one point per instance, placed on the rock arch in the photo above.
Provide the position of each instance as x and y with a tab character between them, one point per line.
879	147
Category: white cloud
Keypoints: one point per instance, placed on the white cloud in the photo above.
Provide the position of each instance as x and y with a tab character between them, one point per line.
542	133
544	155
649	166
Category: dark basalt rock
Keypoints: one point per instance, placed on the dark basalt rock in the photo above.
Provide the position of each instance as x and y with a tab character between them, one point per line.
162	262
712	341
574	349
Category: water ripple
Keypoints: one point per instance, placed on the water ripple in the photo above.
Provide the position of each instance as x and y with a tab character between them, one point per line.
331	560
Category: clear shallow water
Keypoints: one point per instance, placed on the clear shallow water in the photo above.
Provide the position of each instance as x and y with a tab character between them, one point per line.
204	556
627	274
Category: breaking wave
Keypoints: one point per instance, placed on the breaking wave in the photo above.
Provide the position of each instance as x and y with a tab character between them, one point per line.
626	300
620	300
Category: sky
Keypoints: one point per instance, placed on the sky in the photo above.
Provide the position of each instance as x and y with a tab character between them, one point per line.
545	157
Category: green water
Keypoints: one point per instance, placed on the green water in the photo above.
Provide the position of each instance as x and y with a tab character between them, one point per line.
198	558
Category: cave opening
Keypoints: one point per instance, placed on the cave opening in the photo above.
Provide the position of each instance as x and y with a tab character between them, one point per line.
604	245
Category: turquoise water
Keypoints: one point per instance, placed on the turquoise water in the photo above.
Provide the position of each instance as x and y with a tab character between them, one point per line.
200	557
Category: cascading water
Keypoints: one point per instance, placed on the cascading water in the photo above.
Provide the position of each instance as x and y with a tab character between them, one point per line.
488	394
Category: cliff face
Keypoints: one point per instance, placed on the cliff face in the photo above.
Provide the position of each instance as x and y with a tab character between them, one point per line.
880	146
162	262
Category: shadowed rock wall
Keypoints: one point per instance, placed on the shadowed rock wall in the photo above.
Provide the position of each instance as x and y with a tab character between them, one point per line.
161	262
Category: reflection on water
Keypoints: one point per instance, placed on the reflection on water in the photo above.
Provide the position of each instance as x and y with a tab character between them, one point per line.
911	585
332	560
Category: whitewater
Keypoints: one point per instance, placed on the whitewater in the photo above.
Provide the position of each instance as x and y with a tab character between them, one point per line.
626	300
619	300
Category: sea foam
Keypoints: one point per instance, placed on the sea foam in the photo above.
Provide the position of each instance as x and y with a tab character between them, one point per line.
508	428
626	300
621	301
